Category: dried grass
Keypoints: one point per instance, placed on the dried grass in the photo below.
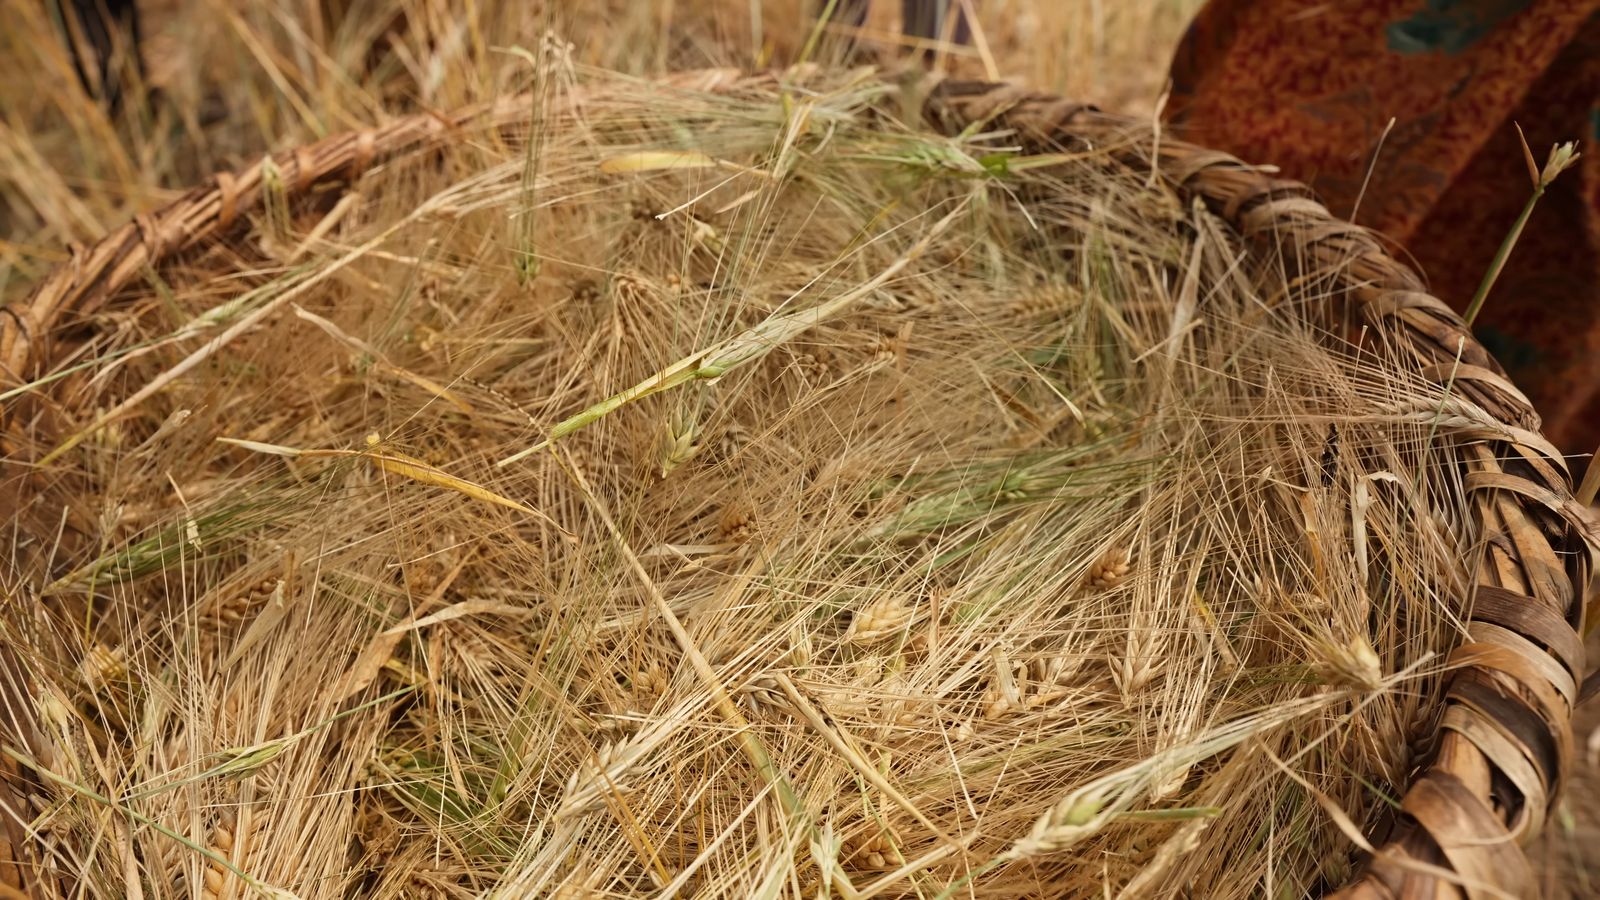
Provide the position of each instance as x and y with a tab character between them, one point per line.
853	512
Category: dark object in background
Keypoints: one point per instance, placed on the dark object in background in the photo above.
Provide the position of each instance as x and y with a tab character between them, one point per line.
925	20
103	39
928	19
919	18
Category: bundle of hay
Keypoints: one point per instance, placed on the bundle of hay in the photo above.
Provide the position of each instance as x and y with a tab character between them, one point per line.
735	488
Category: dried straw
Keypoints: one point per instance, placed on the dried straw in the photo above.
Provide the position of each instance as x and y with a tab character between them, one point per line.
733	488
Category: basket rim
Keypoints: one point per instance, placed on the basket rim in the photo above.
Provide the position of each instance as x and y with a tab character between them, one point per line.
1502	746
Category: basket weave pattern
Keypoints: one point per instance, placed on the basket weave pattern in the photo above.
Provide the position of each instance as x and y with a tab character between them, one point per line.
1502	745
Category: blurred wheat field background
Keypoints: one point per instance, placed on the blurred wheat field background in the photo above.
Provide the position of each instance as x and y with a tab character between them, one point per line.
225	83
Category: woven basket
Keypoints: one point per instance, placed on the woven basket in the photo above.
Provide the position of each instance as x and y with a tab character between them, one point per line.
1499	753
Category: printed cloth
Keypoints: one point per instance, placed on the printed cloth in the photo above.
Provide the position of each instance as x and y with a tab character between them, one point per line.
1310	85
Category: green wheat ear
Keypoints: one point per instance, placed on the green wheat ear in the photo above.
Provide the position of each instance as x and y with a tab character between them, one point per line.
1561	158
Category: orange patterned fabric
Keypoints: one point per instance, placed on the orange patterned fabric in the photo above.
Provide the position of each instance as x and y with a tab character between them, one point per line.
1309	85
